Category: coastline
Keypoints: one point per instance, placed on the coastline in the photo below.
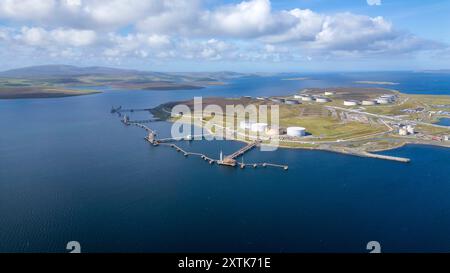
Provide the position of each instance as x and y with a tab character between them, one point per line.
45	95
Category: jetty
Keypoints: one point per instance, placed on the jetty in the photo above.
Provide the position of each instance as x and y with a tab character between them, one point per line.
229	160
121	110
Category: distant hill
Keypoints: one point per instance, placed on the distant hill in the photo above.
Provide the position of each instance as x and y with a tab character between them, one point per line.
36	81
439	71
66	71
52	71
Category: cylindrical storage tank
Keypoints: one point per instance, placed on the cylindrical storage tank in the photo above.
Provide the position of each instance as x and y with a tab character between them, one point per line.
292	102
296	131
368	102
322	100
275	100
350	103
410	129
259	127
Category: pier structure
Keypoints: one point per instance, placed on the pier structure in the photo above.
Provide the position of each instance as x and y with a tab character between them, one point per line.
121	110
229	160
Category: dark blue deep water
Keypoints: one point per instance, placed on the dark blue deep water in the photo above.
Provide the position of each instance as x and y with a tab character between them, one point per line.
69	170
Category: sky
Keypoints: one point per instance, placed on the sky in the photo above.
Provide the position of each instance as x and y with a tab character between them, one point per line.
218	35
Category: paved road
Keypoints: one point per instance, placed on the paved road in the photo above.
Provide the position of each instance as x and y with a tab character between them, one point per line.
388	117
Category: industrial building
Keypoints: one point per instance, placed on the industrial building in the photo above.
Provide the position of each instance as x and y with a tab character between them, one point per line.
329	93
322	99
277	100
386	99
369	102
307	98
296	131
276	131
299	97
402	131
406	130
383	101
292	102
351	102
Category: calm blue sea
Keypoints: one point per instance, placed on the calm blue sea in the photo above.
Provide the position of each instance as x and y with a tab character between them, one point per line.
69	170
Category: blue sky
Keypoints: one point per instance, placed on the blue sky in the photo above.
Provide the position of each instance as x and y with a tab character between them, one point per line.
212	35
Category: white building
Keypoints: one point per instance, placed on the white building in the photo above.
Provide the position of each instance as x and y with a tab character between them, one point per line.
410	129
329	93
351	102
402	131
447	138
296	131
258	127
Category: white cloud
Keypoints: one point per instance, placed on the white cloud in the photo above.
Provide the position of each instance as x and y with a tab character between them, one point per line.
158	41
26	9
348	31
250	30
37	36
374	2
246	19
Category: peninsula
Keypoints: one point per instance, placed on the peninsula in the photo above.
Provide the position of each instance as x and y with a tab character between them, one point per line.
50	81
356	121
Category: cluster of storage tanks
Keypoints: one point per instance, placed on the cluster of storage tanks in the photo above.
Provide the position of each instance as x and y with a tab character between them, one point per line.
384	99
312	98
259	127
406	130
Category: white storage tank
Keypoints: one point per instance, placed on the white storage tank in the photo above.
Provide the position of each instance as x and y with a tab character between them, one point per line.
292	102
410	129
296	131
307	98
403	132
322	99
258	127
351	102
